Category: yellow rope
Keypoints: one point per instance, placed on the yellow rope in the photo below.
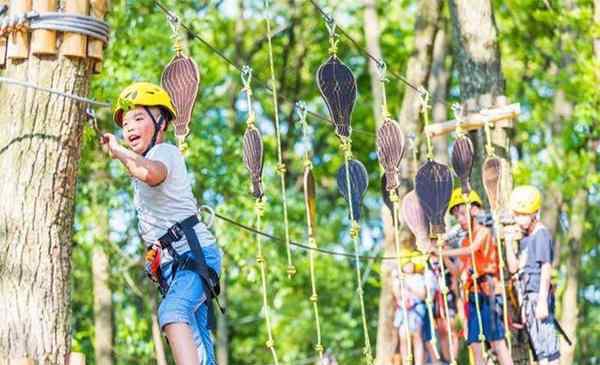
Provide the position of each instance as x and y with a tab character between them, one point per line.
346	147
444	290
311	236
291	269
395	200
259	210
424	96
475	275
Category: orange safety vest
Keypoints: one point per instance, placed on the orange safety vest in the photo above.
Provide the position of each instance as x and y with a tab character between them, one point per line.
486	261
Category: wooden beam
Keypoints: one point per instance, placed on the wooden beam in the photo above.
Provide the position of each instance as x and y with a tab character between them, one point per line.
18	42
43	41
75	44
501	117
98	9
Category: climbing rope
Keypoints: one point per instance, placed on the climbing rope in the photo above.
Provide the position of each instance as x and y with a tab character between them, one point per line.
259	209
346	148
458	113
395	199
489	148
314	298
281	168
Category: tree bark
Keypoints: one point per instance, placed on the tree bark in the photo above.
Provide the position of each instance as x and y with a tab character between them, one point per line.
387	336
570	310
159	347
477	57
39	156
439	82
103	324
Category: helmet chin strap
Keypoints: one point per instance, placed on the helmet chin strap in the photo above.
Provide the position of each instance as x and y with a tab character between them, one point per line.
157	126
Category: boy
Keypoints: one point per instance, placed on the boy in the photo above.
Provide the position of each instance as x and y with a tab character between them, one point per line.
184	255
414	293
488	286
534	266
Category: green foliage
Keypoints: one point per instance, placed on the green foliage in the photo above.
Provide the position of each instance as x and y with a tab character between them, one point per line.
544	51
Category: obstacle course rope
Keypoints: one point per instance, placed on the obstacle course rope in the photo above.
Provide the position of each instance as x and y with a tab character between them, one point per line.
310	206
281	168
254	164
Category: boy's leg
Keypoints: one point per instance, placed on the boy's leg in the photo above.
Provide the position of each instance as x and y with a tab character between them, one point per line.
418	348
477	352
181	341
202	336
501	351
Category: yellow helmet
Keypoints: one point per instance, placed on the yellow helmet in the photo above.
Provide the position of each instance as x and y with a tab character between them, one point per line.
413	256
145	94
458	198
525	199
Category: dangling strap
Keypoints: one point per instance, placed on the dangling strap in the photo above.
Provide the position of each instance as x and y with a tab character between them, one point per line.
157	126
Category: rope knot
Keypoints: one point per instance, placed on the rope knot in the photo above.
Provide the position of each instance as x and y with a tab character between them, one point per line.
354	230
259	207
280	168
346	147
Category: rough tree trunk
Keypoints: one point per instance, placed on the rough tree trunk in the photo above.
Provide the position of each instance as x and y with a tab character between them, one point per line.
477	57
103	340
39	156
386	335
439	82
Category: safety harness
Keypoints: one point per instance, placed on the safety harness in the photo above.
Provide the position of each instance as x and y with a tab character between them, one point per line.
157	126
210	278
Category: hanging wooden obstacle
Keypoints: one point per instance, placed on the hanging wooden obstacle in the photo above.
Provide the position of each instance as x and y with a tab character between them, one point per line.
338	88
462	162
416	220
36	28
181	79
390	150
433	185
357	175
253	157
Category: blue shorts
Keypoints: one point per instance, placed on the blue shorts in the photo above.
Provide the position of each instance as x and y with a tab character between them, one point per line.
185	301
418	318
491	318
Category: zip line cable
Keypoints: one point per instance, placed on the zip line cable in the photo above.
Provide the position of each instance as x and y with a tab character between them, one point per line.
380	62
263	84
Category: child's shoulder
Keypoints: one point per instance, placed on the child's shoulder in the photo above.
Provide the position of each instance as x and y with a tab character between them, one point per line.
164	149
542	232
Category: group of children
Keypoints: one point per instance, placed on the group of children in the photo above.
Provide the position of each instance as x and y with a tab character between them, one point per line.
184	259
474	295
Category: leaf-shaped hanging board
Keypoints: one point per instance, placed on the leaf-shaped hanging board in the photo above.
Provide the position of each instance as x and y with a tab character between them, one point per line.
416	220
338	88
462	161
359	182
253	158
433	185
390	150
181	79
497	182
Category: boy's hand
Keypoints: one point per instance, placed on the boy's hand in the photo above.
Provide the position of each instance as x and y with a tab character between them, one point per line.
109	143
541	310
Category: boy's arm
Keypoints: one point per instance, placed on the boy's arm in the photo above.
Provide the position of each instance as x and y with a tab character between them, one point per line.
511	256
151	172
474	246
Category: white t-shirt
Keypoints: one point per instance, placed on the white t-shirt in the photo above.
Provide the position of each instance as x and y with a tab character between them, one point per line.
160	207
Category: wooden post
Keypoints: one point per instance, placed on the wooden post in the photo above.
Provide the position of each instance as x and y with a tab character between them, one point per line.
3	41
95	46
18	42
43	42
75	44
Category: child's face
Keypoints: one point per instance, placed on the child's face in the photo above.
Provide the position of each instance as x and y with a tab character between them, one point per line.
460	213
138	129
523	220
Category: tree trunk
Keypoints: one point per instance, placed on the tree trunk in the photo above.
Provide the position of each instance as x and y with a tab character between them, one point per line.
387	336
371	27
103	325
159	347
439	82
477	57
39	157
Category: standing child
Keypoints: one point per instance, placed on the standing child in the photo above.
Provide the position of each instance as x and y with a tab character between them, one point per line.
184	255
534	266
410	306
488	286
